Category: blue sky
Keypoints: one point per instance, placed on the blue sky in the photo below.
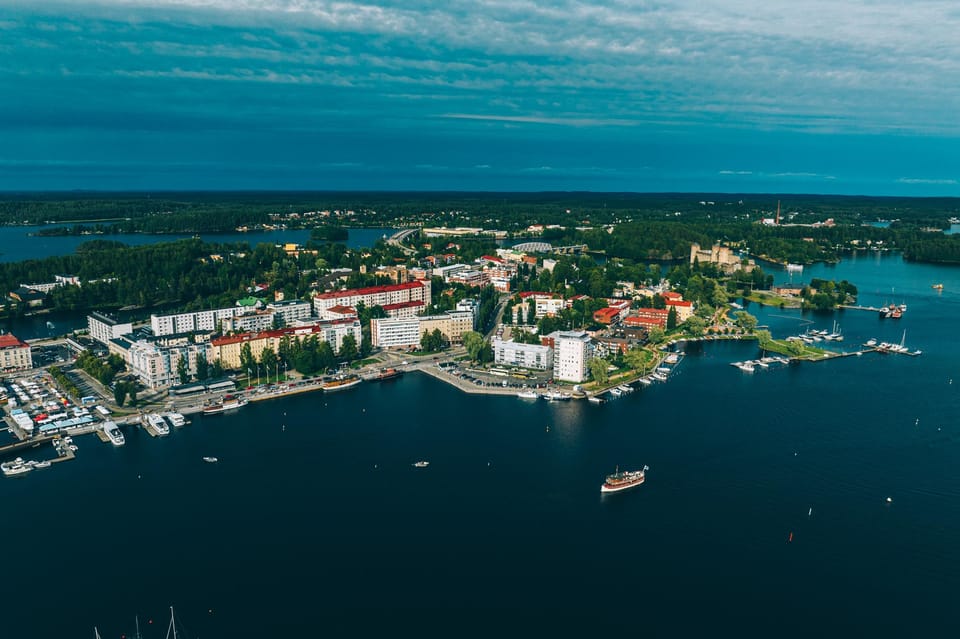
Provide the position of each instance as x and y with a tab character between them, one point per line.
817	96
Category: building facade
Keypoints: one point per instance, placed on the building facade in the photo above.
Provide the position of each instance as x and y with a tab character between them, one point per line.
374	296
14	354
571	356
512	353
395	332
104	328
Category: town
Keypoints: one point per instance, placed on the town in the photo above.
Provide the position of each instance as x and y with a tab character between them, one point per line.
506	322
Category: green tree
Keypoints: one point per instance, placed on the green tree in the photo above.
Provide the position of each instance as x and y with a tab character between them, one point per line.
119	393
216	369
203	367
598	369
637	358
695	325
269	360
182	371
472	342
672	318
247	361
745	320
348	348
656	335
485	356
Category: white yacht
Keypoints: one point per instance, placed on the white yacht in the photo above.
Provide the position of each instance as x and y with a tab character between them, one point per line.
158	424
176	419
528	394
16	467
112	431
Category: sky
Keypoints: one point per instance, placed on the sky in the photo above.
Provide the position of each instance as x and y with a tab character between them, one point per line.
736	96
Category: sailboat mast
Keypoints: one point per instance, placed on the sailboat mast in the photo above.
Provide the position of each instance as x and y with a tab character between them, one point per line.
173	626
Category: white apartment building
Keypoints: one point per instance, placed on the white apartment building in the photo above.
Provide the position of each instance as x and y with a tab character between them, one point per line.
190	322
513	353
290	311
248	322
571	354
395	332
156	365
104	328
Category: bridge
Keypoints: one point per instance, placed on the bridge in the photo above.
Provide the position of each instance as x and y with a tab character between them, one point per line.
399	237
547	247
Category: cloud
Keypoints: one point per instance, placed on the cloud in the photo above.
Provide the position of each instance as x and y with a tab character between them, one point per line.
938	181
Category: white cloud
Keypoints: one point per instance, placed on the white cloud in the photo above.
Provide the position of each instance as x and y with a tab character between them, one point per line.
818	65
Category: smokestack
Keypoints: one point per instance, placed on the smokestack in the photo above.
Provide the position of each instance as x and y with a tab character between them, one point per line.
778	212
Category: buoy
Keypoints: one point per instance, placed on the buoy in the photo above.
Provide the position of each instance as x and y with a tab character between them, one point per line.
889	500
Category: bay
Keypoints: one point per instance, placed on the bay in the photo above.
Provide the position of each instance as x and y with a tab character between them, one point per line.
19	242
315	523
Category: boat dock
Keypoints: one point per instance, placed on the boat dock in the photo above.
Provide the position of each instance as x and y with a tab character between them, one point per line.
855	307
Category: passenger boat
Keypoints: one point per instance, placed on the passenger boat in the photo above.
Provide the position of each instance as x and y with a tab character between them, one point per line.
16	467
556	396
387	373
229	403
112	431
623	480
342	382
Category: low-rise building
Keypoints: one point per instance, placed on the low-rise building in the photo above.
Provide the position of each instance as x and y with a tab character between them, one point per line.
510	353
14	354
227	349
416	291
683	308
647	317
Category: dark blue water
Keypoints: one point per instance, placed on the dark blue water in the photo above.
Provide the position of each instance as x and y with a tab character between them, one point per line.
314	523
17	243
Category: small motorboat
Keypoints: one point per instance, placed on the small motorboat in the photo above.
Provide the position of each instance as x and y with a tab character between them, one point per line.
210	460
421	464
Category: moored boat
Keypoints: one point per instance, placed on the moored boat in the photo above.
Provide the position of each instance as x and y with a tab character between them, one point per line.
528	394
623	480
387	373
16	467
157	423
112	431
229	402
342	382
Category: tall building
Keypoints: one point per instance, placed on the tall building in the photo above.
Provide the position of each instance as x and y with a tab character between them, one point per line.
395	332
104	328
571	355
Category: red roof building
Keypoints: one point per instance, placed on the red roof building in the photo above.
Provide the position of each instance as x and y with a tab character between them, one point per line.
647	317
606	315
